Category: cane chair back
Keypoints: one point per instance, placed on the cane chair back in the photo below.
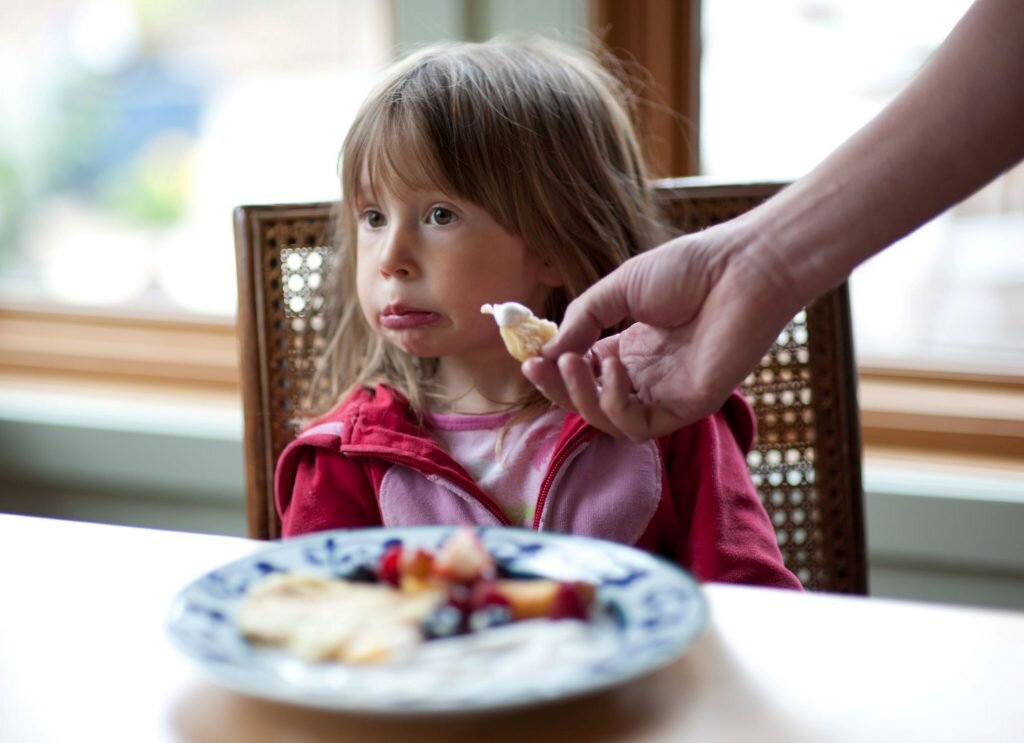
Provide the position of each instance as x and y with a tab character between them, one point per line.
805	462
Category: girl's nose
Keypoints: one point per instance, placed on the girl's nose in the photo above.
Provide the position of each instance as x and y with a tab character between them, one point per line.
396	259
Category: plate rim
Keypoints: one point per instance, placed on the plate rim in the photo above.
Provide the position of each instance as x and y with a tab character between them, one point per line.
689	635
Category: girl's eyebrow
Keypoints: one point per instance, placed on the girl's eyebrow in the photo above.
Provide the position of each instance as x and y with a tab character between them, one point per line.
363	194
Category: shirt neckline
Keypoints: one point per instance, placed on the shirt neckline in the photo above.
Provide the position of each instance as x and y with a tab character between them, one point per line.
463	422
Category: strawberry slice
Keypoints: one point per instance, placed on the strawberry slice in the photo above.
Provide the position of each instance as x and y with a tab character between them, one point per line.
487	593
387	568
464	558
416	564
571	602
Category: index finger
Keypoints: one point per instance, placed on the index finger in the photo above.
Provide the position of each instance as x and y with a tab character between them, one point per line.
599	307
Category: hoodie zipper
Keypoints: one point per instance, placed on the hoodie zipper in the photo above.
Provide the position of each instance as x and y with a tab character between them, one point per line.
556	464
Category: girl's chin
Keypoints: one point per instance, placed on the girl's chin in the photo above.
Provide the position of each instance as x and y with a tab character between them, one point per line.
422	348
416	351
489	356
434	342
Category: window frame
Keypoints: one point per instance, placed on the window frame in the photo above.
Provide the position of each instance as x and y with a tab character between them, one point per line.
946	411
64	345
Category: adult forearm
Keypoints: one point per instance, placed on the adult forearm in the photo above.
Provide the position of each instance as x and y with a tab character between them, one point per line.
955	127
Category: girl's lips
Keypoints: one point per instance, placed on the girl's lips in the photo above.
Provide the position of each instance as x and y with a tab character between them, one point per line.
401	318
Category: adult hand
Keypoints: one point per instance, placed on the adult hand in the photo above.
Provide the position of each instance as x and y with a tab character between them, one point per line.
706	307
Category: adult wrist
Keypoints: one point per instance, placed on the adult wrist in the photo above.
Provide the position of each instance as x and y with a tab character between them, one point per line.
757	247
799	236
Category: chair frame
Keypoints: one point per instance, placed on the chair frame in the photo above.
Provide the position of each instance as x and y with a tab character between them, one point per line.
836	557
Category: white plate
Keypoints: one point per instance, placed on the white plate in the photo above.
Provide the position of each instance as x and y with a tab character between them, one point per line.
649	612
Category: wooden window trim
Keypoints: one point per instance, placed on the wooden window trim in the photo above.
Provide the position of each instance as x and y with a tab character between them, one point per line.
957	413
663	38
960	414
79	346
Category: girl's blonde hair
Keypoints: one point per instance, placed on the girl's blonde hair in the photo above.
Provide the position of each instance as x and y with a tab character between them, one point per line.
536	133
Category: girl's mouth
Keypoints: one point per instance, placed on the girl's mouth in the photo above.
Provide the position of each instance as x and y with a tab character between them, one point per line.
396	317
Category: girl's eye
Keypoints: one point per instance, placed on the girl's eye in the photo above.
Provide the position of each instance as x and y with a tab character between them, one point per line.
441	216
374	218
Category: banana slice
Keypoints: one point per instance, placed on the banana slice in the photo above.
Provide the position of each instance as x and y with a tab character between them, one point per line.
523	332
321	619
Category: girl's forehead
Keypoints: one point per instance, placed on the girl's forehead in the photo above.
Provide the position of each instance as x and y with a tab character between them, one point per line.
399	167
391	185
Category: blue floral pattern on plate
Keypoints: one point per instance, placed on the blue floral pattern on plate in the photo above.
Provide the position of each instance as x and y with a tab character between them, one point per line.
649	613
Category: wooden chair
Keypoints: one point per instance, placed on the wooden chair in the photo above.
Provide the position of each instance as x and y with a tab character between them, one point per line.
806	461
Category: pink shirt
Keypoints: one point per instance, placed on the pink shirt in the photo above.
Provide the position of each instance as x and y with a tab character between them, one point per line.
511	475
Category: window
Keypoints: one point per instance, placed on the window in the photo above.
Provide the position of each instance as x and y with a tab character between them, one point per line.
130	128
783	84
146	244
939	320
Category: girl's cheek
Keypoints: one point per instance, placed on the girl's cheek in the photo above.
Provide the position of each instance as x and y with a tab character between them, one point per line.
364	294
369	314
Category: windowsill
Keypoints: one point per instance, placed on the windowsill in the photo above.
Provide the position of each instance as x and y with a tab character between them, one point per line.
910	472
980	415
113	438
148	410
923	509
944	512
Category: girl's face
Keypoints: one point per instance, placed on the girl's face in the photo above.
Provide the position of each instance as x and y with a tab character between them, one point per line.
426	262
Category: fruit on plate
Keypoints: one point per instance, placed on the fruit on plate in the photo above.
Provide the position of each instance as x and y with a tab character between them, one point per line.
410	595
464	558
530	599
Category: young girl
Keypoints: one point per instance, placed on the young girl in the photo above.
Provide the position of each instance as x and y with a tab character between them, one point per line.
483	173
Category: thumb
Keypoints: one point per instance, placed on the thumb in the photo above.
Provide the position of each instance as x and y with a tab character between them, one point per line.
601	306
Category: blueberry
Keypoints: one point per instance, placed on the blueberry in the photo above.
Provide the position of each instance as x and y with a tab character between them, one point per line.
460	596
444	621
362	574
507	572
492	615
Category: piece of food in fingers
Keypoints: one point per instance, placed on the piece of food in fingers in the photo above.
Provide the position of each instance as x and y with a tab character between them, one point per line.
523	332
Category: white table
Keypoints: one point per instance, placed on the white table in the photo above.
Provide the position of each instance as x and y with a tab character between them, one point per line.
83	656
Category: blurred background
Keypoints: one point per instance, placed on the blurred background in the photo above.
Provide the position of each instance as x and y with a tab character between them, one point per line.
129	129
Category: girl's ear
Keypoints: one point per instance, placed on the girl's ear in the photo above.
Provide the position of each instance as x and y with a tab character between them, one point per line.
550	275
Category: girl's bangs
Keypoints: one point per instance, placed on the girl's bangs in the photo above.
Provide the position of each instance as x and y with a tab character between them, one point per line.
390	147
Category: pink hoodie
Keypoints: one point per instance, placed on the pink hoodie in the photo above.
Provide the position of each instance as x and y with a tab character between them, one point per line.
687	496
